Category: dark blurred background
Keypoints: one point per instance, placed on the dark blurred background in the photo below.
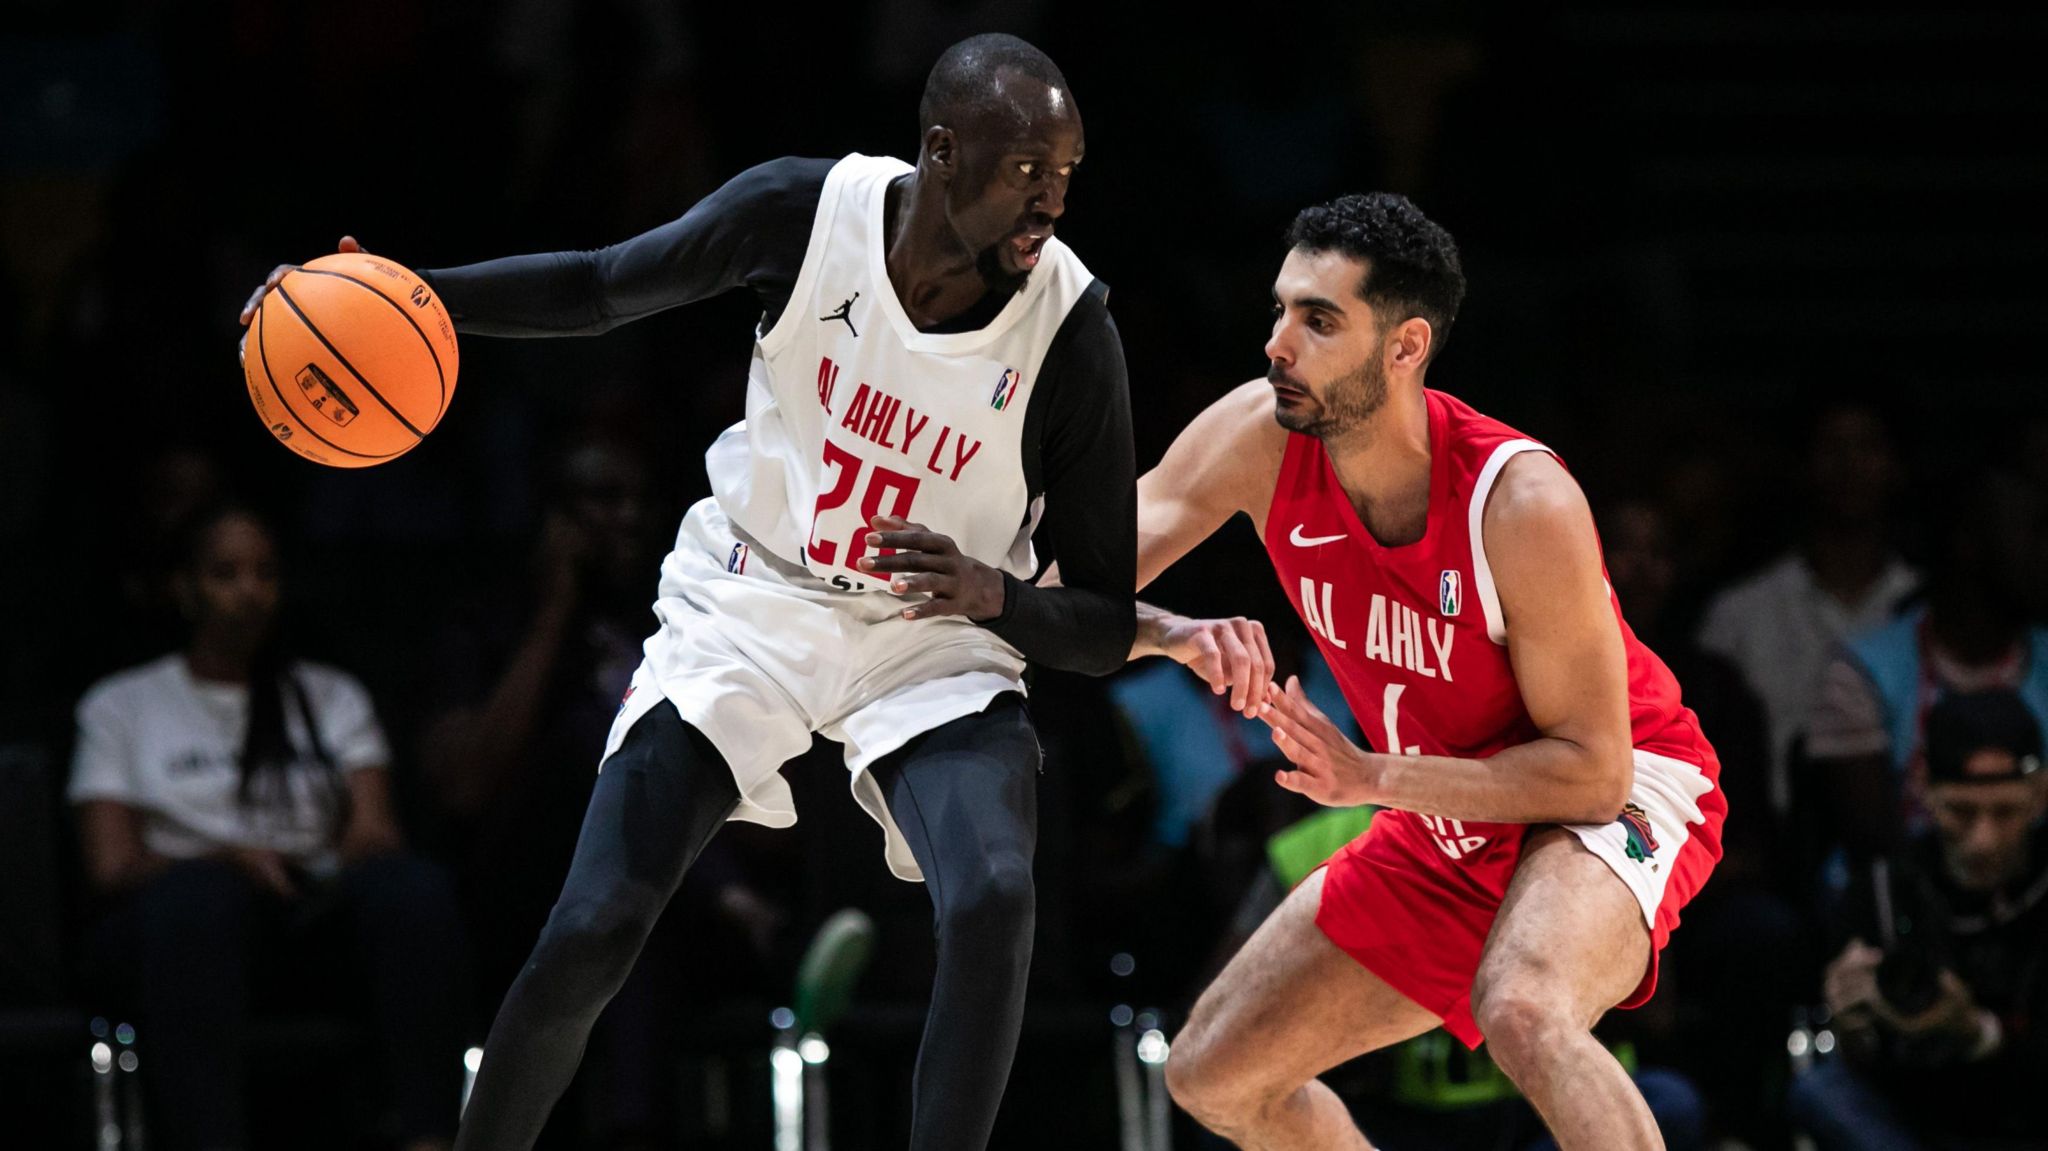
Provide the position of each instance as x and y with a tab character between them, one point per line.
1770	281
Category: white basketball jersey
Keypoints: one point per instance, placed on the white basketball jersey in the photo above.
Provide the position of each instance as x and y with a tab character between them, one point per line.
852	412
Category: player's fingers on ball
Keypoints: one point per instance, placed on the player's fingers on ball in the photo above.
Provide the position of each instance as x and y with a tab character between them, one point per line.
348	244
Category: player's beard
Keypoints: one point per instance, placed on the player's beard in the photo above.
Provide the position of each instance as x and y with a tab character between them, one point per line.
1344	404
1000	280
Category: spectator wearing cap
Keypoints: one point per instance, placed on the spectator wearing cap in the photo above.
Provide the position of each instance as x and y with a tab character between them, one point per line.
1939	992
1866	745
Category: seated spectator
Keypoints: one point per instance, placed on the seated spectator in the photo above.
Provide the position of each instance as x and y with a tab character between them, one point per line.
1780	626
1864	743
236	821
1937	993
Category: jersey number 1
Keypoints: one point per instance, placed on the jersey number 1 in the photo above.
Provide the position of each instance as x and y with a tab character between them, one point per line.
1449	834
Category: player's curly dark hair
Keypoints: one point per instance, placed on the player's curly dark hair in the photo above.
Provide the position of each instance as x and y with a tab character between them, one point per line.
1411	263
963	82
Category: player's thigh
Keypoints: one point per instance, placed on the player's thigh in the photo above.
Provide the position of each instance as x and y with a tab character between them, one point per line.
1291	1005
1569	933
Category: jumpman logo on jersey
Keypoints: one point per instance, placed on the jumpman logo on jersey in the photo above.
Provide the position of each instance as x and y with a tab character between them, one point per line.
845	312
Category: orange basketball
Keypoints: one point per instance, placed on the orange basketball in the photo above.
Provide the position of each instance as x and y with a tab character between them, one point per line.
350	360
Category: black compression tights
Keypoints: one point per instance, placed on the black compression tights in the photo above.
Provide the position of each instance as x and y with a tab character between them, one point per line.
964	795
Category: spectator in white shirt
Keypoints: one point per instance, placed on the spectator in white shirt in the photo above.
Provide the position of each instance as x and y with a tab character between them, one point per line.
1781	626
235	815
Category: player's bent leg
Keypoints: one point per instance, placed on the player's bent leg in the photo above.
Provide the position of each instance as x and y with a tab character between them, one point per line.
659	800
1289	1006
965	796
1568	943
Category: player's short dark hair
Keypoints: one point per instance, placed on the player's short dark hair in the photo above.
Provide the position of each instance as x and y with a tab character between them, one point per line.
962	84
1411	263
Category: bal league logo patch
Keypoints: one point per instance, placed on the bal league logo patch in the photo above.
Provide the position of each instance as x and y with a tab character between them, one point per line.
1006	387
1642	843
622	702
1450	593
736	562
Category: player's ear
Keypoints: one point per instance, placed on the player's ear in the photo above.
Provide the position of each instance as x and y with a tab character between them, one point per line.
941	151
1410	343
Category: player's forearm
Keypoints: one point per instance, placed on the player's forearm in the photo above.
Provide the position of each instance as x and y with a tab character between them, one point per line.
1542	781
549	294
1068	628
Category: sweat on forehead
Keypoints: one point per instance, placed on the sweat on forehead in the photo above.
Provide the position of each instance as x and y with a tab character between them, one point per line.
993	78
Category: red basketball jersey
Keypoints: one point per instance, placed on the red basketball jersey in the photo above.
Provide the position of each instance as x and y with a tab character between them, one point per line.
1414	633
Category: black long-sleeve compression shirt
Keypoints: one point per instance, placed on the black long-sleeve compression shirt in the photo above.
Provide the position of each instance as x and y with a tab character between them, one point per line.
752	233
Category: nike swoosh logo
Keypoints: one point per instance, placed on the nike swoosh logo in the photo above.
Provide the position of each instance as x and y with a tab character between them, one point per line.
1302	541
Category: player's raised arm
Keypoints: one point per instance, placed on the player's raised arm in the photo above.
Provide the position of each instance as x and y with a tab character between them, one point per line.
1224	462
727	240
721	243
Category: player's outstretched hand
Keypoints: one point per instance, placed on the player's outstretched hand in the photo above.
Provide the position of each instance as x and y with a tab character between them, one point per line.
1229	654
1328	767
348	244
927	563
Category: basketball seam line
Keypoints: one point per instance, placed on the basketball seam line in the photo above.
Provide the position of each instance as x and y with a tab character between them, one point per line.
343	360
263	353
440	374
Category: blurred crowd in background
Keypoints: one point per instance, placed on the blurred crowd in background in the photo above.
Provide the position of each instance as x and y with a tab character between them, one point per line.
1766	280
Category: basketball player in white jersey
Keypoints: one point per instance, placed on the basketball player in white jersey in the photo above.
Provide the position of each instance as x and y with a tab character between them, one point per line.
932	370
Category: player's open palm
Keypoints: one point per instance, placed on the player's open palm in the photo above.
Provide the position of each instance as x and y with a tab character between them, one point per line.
1328	767
1229	654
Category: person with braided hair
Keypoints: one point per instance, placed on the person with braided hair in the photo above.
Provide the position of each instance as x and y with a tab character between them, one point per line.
235	817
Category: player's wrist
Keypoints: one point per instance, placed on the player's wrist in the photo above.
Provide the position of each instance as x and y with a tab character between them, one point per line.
1154	631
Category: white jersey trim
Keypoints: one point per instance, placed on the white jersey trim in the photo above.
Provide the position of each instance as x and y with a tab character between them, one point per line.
776	338
1482	571
1667	792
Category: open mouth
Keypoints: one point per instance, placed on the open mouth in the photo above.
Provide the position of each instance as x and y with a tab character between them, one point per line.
1028	246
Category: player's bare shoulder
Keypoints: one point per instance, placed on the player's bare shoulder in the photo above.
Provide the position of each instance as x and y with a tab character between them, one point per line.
1539	533
1534	494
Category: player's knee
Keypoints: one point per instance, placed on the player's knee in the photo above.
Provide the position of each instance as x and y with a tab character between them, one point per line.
1189	1079
1203	1087
997	903
1517	1017
596	937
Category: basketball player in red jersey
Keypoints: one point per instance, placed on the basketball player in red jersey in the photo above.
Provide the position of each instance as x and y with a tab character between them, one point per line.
1551	802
